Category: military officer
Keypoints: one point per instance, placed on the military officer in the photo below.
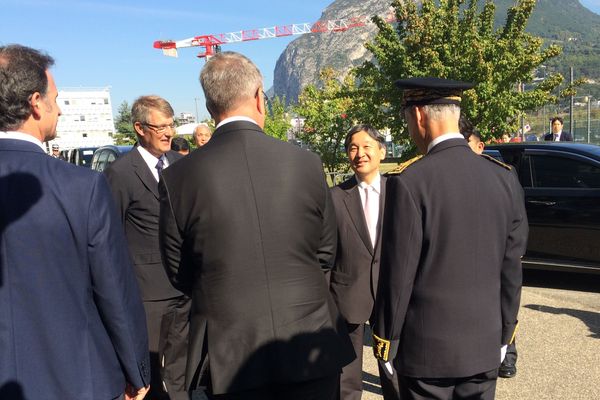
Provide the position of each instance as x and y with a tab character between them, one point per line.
450	279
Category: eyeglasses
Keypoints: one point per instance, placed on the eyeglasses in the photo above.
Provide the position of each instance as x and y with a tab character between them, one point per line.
159	128
266	100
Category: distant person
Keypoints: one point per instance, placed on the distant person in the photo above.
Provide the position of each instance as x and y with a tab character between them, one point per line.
359	204
202	134
506	138
72	322
180	145
133	178
471	134
247	229
454	231
56	152
557	134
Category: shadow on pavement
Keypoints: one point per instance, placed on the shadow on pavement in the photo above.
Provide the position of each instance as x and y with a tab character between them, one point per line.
591	319
371	383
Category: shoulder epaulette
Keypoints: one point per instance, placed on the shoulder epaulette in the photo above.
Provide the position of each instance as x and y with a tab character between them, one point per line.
495	160
400	168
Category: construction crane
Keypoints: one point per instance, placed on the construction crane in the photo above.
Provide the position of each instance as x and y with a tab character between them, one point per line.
212	43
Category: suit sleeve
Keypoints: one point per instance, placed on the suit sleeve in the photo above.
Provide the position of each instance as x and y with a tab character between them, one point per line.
512	272
328	241
119	191
115	288
401	248
171	242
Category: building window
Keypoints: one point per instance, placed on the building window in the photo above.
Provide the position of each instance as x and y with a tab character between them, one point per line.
66	102
82	117
84	134
110	134
105	101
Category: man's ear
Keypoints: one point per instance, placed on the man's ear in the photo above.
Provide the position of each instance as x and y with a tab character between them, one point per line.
35	103
138	128
382	152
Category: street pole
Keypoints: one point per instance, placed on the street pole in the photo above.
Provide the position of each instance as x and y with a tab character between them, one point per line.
523	117
571	122
196	103
589	118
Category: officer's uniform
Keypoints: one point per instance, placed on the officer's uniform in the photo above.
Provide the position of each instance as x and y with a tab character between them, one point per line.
450	279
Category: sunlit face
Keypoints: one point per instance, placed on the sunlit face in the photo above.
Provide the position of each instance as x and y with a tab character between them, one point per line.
557	126
365	155
475	144
202	135
50	111
506	138
156	133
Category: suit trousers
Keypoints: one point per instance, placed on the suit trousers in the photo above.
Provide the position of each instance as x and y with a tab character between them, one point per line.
351	380
168	326
316	389
477	387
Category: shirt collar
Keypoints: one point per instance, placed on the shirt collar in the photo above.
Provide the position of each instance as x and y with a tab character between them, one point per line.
150	159
235	118
21	136
441	138
376	184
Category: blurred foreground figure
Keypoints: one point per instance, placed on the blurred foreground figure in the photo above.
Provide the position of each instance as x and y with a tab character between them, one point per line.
454	231
71	319
247	228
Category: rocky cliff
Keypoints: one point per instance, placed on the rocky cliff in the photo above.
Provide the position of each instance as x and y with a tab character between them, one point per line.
300	63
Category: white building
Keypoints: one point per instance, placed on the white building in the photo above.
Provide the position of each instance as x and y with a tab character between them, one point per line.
87	118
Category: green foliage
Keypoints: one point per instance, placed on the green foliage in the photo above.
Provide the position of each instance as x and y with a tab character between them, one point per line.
328	116
457	39
277	121
125	133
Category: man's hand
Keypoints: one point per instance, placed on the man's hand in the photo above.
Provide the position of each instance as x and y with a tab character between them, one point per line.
132	393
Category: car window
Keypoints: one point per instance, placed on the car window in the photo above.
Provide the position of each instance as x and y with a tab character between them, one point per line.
111	157
102	157
561	172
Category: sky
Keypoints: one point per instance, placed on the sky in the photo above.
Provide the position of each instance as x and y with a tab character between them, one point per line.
110	43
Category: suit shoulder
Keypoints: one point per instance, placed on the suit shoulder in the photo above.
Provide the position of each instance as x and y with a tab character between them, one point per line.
496	162
402	167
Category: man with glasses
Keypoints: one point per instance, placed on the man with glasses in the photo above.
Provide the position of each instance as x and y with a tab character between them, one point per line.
134	182
454	231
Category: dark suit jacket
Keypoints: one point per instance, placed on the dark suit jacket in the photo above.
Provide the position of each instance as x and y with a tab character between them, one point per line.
356	271
564	137
247	225
136	194
454	231
72	325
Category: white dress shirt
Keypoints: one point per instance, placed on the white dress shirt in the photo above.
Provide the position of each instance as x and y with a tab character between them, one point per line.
441	138
370	204
21	136
152	161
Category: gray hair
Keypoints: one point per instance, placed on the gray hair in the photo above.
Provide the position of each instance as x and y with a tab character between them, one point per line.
227	79
438	112
22	73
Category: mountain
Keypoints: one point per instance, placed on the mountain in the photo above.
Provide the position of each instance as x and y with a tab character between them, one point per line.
564	22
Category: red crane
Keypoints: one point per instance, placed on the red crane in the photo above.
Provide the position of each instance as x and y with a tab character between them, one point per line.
212	43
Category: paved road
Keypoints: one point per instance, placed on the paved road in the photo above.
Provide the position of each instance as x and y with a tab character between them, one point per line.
558	341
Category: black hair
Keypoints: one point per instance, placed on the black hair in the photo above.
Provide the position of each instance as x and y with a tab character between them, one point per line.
374	133
467	129
22	73
178	143
559	119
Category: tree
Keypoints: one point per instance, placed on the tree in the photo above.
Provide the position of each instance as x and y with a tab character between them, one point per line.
124	127
456	39
328	114
277	121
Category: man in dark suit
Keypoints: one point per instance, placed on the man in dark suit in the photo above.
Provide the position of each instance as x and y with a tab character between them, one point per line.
134	182
557	134
359	204
71	320
247	227
454	231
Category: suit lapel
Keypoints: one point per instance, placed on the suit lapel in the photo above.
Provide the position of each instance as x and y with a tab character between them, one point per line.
357	215
143	172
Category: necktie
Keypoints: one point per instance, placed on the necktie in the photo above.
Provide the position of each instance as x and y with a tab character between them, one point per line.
371	212
159	165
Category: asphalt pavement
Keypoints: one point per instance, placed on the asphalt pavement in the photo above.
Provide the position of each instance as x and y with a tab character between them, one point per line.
558	341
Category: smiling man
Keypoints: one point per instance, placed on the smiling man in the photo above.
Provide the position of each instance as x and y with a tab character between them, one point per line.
134	182
358	206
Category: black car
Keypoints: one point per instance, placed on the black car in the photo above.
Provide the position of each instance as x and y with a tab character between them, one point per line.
81	156
106	154
561	181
